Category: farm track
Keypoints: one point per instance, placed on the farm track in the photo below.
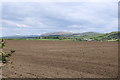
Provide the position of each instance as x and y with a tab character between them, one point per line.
61	59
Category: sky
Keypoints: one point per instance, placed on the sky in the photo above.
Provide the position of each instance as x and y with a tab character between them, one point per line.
35	18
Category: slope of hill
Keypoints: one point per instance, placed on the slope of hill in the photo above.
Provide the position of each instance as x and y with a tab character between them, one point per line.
107	36
69	34
90	33
58	34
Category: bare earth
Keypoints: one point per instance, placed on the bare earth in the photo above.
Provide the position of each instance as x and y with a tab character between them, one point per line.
61	59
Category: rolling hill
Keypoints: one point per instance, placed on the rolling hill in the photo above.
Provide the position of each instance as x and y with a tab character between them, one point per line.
69	34
108	36
57	34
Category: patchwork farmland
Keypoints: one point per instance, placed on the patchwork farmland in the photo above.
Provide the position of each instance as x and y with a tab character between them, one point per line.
61	59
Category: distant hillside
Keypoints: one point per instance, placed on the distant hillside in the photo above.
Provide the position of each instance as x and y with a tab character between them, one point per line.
95	36
107	36
63	34
69	34
89	33
58	34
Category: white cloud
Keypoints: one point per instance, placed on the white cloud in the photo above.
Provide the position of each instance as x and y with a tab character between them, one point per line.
15	24
18	34
75	26
22	25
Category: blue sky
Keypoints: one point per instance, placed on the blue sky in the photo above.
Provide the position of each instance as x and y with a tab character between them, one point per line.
34	18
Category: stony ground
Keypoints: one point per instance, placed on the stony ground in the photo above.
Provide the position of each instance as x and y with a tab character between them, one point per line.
61	59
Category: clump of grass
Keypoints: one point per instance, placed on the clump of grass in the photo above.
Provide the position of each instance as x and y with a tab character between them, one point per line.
12	51
4	57
7	55
2	44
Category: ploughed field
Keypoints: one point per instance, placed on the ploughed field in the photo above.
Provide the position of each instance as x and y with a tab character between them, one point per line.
61	59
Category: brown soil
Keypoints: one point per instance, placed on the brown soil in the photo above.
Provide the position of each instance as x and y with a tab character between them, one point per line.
61	59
